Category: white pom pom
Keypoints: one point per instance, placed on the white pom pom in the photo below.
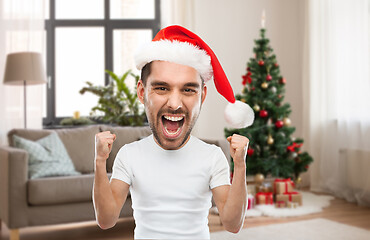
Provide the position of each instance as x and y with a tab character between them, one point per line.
239	114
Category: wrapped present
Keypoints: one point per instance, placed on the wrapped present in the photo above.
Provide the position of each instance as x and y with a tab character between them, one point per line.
292	204
290	197
264	187
280	204
264	198
283	185
250	201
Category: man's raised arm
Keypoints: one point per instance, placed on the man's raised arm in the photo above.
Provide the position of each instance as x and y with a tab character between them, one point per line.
231	201
108	197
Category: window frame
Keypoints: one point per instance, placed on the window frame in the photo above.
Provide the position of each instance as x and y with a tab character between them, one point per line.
109	26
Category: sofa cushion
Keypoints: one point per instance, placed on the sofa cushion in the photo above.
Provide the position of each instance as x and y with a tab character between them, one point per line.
124	135
60	190
79	142
47	156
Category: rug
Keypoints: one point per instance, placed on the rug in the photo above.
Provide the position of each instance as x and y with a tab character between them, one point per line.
314	229
311	203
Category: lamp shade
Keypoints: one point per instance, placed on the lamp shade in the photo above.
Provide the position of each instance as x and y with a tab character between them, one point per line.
24	68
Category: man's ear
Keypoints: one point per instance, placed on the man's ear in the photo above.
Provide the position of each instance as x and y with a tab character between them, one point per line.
140	91
204	93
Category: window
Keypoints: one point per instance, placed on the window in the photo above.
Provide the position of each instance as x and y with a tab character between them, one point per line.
86	37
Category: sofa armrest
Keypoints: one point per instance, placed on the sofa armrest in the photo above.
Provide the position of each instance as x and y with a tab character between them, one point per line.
13	186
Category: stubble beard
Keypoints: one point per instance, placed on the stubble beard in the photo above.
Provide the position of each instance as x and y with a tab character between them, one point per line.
154	124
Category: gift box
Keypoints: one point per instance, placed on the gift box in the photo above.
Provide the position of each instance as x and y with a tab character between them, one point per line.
264	198
290	197
280	204
292	204
283	185
250	201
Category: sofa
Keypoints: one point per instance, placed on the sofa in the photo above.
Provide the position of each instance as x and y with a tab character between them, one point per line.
26	202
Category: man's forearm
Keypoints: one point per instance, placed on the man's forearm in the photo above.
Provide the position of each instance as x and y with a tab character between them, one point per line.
104	201
236	204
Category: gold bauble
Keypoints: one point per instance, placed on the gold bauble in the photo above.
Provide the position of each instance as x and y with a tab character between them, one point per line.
259	178
287	122
243	100
264	85
298	180
270	140
256	108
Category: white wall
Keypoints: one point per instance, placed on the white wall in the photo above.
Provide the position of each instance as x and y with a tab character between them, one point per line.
230	28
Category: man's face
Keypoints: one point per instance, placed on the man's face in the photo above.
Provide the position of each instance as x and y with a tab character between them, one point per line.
173	96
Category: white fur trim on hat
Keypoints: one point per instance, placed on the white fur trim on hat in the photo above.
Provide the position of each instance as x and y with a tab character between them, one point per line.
178	52
239	114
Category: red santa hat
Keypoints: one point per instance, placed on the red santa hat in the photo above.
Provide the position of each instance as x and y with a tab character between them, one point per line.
179	45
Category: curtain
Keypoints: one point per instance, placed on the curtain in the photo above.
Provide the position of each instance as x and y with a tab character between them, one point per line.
21	29
336	97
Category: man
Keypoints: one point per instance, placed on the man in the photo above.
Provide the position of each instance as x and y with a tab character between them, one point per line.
171	174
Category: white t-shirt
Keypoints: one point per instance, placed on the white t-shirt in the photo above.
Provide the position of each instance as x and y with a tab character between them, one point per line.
171	189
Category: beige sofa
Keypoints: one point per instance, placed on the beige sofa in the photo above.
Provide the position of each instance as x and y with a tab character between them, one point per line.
28	202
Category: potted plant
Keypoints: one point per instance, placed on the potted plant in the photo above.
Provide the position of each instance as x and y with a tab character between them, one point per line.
118	103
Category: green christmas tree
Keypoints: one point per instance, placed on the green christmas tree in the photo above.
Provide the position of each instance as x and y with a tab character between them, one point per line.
272	149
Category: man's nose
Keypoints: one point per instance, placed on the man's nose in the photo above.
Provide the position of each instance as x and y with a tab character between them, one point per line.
174	101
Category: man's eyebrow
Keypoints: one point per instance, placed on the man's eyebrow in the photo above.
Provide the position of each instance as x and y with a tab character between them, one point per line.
192	84
159	83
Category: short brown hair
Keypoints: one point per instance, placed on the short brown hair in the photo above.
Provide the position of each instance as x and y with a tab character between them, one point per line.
145	72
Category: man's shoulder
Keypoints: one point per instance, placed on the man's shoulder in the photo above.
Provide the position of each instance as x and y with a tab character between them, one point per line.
205	144
145	141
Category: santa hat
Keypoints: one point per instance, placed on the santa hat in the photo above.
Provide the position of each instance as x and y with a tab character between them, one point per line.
179	45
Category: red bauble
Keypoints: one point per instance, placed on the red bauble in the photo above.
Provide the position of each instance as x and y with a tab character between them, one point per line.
279	124
263	113
261	62
250	151
282	80
306	167
276	65
268	77
248	68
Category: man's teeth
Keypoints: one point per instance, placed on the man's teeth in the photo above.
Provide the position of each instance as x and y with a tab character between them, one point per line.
173	119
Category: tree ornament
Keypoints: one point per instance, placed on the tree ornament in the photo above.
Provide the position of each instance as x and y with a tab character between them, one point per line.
293	155
287	122
279	124
256	108
268	77
261	62
243	100
263	113
276	65
248	69
250	151
282	80
298	180
273	89
264	85
270	140
306	167
259	178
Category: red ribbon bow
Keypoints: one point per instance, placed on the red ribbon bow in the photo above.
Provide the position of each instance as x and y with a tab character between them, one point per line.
294	147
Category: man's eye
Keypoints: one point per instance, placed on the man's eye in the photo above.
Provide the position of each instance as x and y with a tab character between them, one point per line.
189	90
160	88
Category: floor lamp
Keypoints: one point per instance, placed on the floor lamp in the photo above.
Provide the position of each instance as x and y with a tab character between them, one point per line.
24	68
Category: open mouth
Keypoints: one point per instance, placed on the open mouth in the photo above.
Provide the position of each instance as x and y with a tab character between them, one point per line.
172	125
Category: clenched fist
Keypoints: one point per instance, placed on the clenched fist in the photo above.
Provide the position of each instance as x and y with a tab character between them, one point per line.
103	145
238	148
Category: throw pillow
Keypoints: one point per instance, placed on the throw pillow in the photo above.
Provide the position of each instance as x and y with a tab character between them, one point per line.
47	156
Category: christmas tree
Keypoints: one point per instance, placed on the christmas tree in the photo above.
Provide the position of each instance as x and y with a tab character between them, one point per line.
272	149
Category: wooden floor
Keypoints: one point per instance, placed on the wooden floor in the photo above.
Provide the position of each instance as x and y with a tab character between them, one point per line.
339	211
